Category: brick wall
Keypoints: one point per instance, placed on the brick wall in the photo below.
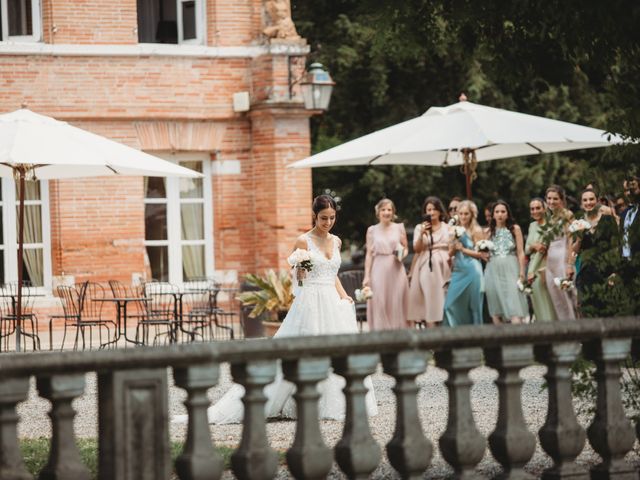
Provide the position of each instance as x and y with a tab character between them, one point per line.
97	224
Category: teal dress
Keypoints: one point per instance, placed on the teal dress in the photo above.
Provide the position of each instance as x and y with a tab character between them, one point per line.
463	305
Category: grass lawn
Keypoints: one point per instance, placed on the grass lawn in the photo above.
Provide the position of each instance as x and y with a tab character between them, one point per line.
35	452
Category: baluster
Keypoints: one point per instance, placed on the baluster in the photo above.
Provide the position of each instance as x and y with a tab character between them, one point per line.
199	459
308	457
561	436
512	444
64	457
254	459
357	453
610	433
409	450
12	391
462	445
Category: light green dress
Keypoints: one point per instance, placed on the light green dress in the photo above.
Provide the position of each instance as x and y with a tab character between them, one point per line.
542	306
501	278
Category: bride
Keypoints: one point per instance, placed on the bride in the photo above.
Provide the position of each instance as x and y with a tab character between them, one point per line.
321	307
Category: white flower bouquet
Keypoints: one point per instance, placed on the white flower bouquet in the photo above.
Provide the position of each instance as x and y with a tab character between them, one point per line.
453	221
300	258
363	294
563	283
577	228
525	287
459	231
484	245
399	252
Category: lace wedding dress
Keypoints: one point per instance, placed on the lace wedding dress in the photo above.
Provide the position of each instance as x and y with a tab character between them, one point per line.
316	310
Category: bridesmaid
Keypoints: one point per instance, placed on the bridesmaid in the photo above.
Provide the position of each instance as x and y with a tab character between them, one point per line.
542	306
598	251
560	261
505	267
463	303
384	272
431	270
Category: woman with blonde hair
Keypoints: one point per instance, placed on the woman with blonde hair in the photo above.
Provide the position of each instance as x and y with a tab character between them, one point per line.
463	304
384	272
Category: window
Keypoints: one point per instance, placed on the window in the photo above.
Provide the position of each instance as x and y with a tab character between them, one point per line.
171	21
179	223
20	20
37	249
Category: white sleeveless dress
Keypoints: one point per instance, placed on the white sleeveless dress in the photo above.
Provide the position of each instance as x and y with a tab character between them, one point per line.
316	310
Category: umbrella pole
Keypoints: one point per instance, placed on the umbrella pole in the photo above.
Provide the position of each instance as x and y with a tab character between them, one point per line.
21	170
468	182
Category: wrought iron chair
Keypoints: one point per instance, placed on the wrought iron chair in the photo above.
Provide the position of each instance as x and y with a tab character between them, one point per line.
352	280
29	320
159	314
82	312
203	317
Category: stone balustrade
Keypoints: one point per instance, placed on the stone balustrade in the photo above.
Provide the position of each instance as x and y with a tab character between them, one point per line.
133	391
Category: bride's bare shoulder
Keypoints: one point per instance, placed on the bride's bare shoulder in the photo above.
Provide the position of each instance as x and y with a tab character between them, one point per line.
301	242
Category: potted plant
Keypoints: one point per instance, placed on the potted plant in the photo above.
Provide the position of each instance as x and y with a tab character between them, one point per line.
273	294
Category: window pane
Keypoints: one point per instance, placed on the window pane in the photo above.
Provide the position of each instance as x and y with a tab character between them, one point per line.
192	221
32	223
33	267
159	263
189	20
155	187
155	221
1	226
20	17
193	262
191	187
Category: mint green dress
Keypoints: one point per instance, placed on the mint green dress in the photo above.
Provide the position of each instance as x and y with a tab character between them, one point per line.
501	278
542	307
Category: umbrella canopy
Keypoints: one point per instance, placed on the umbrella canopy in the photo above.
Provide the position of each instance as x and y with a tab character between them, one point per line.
52	149
39	147
461	134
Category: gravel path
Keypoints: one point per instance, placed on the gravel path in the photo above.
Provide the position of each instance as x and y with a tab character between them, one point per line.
432	400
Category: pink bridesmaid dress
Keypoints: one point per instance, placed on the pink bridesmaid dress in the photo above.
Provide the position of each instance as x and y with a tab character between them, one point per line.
387	309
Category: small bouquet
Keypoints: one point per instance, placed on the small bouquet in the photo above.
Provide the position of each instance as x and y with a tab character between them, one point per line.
459	231
526	286
484	245
363	294
300	259
579	227
399	252
563	283
453	221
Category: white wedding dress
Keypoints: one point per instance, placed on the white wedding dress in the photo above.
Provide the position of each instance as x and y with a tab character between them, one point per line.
316	310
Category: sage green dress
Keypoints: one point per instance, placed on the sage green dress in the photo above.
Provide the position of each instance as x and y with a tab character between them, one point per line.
540	299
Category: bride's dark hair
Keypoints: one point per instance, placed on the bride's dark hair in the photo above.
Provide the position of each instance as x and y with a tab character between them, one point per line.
322	202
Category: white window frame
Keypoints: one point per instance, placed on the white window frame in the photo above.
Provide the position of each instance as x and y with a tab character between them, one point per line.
9	222
36	23
200	23
173	201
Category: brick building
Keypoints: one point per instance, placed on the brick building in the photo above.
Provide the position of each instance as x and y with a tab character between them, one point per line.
160	75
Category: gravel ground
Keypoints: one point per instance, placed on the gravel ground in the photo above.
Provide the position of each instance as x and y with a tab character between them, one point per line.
432	401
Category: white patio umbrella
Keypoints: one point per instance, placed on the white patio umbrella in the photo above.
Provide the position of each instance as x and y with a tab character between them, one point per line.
461	134
39	147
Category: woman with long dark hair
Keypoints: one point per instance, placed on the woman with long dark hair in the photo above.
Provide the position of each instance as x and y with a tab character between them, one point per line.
505	267
431	268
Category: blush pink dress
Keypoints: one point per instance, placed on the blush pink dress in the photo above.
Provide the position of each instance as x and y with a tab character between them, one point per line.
387	309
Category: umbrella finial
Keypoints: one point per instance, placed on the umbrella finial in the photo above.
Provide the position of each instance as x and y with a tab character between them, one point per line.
462	97
23	104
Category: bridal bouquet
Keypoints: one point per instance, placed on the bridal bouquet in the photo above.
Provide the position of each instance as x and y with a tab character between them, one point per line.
579	227
300	259
526	286
563	283
453	221
362	295
484	245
